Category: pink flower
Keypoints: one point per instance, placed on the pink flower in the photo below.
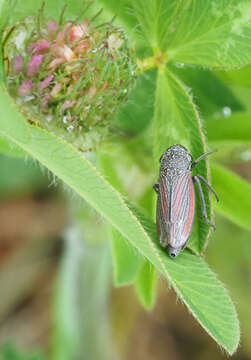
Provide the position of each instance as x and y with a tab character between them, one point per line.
79	31
40	47
34	65
63	33
25	88
17	64
63	51
52	28
55	63
68	104
46	99
46	82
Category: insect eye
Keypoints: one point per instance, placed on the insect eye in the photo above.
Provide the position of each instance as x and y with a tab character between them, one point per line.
163	171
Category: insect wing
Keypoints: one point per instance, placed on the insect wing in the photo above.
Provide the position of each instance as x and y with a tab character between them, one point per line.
181	210
163	210
175	209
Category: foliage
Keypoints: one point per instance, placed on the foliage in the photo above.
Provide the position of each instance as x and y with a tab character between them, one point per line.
168	37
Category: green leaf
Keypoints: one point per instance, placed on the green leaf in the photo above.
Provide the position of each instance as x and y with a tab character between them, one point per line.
177	121
123	9
10	149
156	18
234	129
52	9
234	196
212	33
209	91
199	285
137	113
126	259
146	285
240	77
188	274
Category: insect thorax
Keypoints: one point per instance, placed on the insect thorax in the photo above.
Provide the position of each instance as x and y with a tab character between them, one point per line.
175	159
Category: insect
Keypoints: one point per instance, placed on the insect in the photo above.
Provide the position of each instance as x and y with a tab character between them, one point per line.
176	199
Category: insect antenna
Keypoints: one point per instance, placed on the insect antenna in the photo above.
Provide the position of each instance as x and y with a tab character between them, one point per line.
201	157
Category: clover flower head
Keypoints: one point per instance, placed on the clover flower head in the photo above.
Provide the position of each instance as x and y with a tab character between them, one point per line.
71	76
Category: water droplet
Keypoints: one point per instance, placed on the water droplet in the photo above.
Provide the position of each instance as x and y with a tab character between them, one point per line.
70	128
65	120
125	91
88	107
226	111
179	65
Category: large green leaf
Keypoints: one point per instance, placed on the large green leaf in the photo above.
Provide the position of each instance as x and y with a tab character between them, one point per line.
122	9
188	274
8	148
177	121
137	113
156	18
234	194
126	259
22	8
209	91
212	33
234	129
240	77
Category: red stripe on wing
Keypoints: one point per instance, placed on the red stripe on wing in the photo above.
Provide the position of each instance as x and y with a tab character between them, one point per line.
189	221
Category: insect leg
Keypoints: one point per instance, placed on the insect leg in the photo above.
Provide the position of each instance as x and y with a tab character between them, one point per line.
209	186
196	179
156	188
201	157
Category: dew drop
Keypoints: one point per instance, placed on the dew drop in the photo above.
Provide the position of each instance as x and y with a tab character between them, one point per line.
70	128
179	65
226	111
65	120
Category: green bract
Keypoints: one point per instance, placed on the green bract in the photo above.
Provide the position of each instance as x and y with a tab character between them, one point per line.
69	78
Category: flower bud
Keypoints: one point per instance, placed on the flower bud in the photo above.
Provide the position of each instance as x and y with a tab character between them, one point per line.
41	47
17	64
34	65
45	83
25	88
72	77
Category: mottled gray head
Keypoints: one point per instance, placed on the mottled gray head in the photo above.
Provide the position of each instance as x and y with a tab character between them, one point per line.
177	156
173	252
